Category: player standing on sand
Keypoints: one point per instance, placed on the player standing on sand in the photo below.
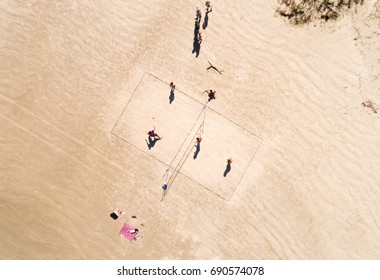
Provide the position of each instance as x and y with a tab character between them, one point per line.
229	161
198	140
208	7
152	138
198	15
197	146
171	96
172	87
228	167
211	94
153	135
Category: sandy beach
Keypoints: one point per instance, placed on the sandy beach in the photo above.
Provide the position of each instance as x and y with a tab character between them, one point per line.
83	81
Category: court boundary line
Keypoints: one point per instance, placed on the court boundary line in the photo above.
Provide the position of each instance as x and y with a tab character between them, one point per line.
162	162
78	142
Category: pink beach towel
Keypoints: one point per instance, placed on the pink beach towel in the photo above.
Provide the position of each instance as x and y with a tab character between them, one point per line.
124	233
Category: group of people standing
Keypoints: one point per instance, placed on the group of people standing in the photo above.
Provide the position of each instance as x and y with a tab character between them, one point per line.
128	231
197	33
152	135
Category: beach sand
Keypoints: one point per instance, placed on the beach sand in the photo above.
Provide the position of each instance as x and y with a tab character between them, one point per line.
75	108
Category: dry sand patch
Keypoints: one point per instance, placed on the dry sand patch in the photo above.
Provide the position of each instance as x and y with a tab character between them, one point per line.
222	139
311	191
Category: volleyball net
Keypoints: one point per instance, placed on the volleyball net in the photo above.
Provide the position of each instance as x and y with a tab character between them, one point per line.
188	145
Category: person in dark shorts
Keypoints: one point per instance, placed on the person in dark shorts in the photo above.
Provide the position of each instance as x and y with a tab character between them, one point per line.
172	89
152	138
211	94
197	146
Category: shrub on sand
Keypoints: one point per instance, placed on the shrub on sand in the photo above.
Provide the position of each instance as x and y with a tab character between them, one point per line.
304	11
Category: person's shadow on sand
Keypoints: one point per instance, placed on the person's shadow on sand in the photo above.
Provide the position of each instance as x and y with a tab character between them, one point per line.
205	21
197	150
196	29
196	44
151	142
196	47
171	96
228	169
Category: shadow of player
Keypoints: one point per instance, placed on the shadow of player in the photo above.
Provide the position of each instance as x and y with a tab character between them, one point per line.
197	150
196	47
228	169
151	142
196	43
205	21
171	96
